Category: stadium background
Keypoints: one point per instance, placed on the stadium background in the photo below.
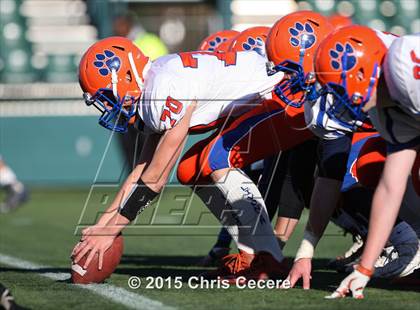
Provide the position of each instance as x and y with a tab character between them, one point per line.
73	166
49	136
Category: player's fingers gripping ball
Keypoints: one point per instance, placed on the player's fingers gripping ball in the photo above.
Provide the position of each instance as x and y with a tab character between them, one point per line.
92	274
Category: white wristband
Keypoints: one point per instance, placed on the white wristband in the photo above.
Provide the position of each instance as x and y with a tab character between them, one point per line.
307	246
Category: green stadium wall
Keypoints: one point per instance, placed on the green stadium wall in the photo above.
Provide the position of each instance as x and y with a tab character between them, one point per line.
63	151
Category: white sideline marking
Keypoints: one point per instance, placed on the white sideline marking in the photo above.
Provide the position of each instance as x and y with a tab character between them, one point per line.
117	294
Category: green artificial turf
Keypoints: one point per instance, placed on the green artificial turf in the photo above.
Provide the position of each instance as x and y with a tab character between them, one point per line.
167	241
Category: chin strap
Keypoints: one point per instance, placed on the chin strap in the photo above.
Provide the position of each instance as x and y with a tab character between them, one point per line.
301	51
114	82
139	80
372	81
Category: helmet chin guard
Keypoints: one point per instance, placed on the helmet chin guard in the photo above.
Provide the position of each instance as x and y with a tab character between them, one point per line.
298	87
116	112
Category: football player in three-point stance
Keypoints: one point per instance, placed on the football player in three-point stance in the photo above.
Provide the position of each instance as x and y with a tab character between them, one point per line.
169	109
347	64
289	122
293	54
334	147
233	93
172	96
213	160
251	39
393	104
293	97
401	257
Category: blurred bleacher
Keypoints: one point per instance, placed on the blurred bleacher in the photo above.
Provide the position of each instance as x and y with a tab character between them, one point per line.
49	136
42	40
397	16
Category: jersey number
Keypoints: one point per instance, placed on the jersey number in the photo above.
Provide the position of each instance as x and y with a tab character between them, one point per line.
189	61
416	68
172	106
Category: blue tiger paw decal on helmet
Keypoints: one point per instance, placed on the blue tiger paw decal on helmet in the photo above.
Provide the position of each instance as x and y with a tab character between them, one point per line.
302	35
337	57
215	43
254	44
106	62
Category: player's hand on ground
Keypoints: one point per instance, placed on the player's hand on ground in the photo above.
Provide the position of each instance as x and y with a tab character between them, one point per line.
353	284
95	239
301	269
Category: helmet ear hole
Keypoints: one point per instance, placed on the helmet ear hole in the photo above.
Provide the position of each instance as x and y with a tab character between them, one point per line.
357	41
313	22
360	74
128	77
119	47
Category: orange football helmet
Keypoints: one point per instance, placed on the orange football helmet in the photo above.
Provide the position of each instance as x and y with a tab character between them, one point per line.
347	65
340	21
111	75
218	41
251	39
291	46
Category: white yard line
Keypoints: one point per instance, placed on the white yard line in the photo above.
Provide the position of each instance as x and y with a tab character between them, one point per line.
116	294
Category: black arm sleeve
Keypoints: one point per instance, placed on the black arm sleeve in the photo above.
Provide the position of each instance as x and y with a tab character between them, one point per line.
138	200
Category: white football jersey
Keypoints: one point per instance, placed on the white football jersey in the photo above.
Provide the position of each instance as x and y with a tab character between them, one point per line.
398	118
222	84
402	72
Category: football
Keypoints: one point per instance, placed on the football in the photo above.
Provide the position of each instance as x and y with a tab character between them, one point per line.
92	274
